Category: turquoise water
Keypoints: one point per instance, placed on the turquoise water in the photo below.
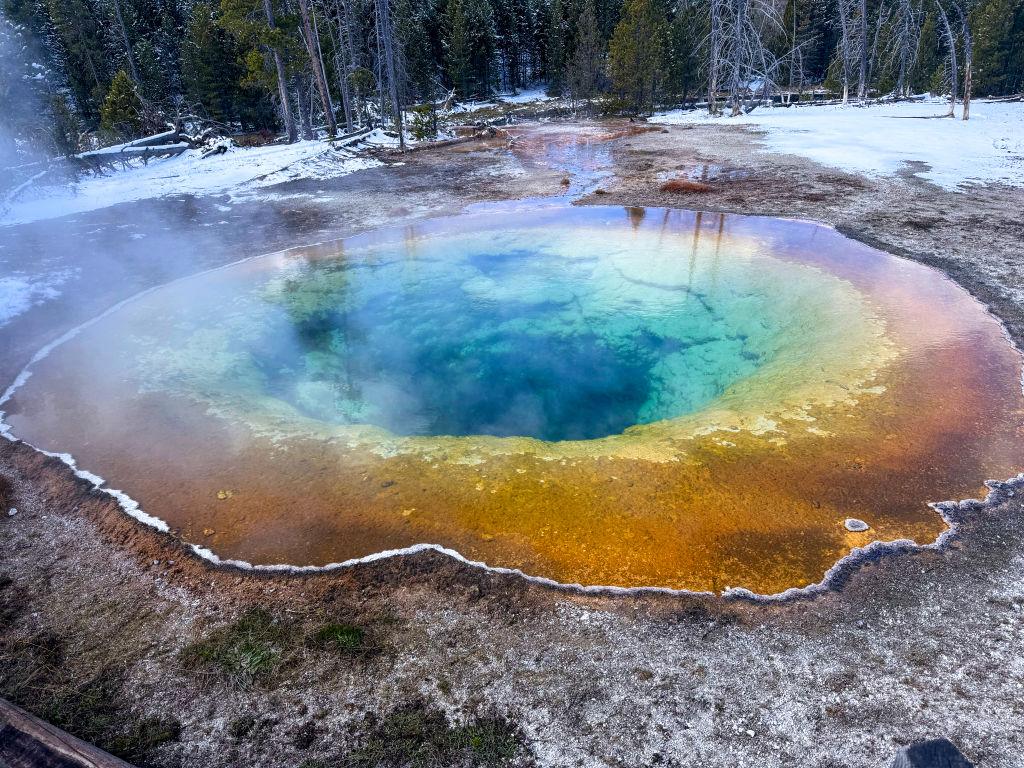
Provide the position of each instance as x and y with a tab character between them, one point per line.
571	327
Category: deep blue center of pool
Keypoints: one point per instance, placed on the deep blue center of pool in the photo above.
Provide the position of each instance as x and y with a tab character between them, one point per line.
557	341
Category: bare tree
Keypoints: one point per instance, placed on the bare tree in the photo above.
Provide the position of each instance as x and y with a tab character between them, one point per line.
317	65
391	67
949	40
848	42
904	44
880	22
714	43
282	86
342	58
862	41
968	58
747	59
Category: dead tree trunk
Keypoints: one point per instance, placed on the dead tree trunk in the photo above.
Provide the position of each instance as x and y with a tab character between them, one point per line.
317	65
845	44
950	39
968	59
302	101
341	63
906	42
282	81
129	55
862	34
714	55
391	64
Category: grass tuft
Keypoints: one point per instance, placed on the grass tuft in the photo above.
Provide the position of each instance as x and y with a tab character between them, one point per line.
344	639
247	652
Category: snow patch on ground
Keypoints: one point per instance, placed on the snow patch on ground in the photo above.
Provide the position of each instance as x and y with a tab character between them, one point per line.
527	96
240	170
19	292
878	140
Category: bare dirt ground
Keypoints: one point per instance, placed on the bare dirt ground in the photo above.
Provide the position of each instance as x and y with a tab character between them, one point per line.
116	633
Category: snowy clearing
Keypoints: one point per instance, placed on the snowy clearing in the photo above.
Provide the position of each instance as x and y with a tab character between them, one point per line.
878	140
238	171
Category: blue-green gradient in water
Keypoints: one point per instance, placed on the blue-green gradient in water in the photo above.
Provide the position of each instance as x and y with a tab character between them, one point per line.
556	332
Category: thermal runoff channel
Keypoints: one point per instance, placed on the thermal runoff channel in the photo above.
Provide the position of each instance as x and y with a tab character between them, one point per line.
601	396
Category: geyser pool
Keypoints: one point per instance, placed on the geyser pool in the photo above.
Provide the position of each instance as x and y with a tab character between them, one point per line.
594	395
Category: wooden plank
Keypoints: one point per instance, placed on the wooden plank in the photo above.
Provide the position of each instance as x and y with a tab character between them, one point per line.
28	742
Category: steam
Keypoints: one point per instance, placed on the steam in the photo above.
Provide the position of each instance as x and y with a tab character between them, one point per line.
22	82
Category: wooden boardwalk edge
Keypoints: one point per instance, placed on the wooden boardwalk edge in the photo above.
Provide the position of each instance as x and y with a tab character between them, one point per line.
28	742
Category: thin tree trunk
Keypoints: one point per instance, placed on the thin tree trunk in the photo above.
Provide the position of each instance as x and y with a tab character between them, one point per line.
968	61
862	73
132	69
282	84
391	65
302	98
714	52
317	65
951	46
341	65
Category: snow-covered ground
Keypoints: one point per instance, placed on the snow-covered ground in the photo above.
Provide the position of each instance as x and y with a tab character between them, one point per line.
878	140
239	171
19	292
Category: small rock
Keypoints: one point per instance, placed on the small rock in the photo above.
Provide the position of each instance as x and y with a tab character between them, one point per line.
12	511
936	753
855	525
208	531
750	733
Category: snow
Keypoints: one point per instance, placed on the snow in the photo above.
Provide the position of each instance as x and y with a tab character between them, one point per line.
878	140
240	171
19	292
527	96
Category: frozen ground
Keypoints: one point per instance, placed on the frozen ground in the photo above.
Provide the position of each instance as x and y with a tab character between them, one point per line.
885	139
238	171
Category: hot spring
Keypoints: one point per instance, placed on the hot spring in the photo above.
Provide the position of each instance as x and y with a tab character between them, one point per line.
589	394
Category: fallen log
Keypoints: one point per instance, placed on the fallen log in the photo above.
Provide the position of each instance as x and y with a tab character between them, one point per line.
28	742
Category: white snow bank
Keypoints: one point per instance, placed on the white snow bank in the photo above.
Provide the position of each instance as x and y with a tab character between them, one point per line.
878	140
19	292
526	96
240	170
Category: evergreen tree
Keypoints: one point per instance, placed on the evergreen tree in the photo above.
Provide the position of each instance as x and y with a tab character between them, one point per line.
82	52
928	73
686	33
211	74
469	46
121	113
559	46
587	66
415	20
994	30
637	53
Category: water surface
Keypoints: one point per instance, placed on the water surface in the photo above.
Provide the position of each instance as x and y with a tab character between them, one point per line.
595	395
